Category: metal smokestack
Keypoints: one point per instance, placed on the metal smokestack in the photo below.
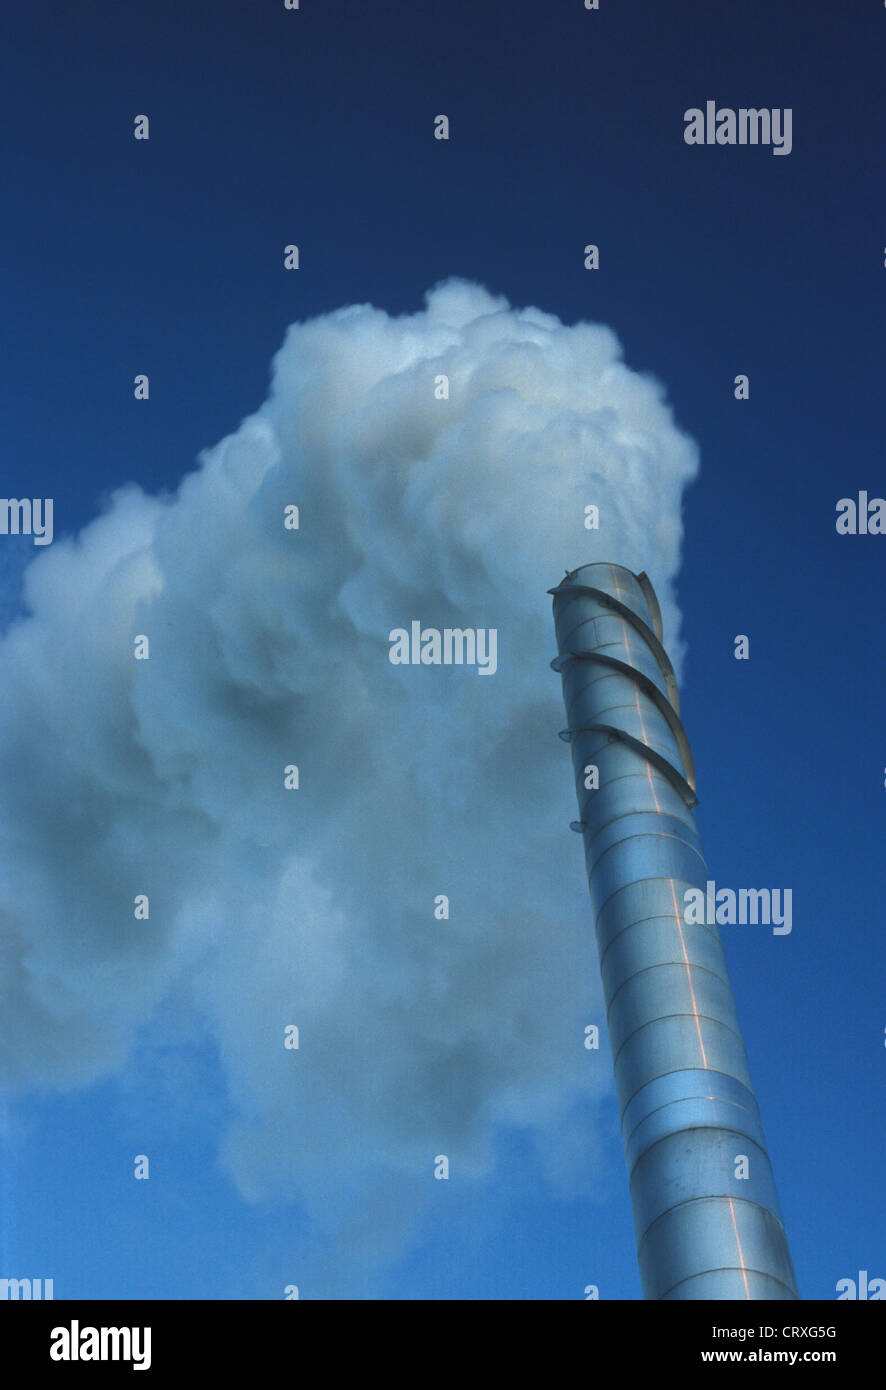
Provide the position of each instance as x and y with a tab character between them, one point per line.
687	1105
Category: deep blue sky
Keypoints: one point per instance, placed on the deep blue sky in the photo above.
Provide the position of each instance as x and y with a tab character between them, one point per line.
269	126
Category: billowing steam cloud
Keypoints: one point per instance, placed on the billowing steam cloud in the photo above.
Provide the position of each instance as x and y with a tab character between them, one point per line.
269	647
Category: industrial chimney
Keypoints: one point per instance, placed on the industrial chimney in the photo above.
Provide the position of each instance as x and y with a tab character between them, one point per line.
687	1106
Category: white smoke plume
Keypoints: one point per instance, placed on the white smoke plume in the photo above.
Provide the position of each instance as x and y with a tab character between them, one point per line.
269	647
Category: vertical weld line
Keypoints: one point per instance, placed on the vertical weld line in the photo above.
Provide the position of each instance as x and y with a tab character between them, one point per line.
677	917
747	1292
678	920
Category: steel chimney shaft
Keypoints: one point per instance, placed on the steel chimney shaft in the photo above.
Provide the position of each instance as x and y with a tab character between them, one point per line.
687	1105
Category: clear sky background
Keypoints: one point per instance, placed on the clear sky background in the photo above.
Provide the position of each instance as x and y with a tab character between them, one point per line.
315	126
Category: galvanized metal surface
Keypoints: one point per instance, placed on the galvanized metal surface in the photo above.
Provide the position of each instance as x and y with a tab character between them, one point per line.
687	1104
